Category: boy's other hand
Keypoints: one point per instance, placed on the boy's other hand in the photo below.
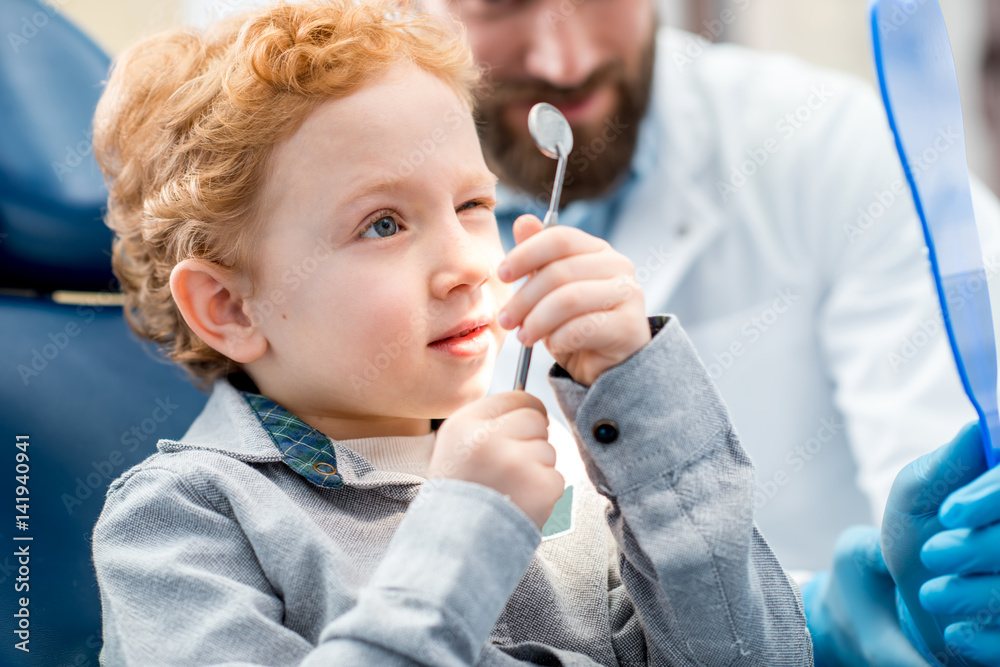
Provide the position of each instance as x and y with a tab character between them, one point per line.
501	441
583	301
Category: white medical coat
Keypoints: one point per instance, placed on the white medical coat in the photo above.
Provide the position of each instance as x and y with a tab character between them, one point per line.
777	225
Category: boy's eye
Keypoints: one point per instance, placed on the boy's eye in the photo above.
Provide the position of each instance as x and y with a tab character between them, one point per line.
383	227
486	203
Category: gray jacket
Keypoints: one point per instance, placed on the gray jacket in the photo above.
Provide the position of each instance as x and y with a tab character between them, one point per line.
215	551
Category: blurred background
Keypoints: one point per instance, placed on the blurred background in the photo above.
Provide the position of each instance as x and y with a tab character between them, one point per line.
49	199
832	33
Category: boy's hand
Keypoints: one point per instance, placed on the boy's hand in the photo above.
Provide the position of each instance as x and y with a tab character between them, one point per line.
501	441
584	301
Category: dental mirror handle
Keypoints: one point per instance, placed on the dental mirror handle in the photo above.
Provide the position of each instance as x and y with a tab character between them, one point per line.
522	368
551	218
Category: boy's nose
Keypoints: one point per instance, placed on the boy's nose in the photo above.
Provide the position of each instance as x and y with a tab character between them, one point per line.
462	263
560	49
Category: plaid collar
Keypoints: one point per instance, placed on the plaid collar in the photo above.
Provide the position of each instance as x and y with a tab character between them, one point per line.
306	450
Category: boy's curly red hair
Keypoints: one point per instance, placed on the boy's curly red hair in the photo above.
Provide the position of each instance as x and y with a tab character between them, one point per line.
187	122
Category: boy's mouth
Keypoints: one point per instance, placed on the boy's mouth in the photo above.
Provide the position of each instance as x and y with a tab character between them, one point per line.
465	329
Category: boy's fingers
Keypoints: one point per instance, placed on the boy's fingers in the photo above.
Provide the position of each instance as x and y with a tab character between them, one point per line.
497	405
542	248
588	266
525	424
587	332
540	450
567	303
526	226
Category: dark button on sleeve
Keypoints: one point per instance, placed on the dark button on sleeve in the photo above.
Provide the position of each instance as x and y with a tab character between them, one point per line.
605	431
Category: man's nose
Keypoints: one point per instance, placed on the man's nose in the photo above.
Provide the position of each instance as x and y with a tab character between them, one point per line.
461	263
560	48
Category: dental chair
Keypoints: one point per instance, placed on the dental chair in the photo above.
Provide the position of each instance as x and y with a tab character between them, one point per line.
79	394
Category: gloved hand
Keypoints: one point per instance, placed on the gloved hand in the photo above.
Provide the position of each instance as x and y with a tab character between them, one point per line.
851	610
911	519
968	554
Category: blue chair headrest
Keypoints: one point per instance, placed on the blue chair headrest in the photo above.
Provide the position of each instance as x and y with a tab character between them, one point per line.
51	190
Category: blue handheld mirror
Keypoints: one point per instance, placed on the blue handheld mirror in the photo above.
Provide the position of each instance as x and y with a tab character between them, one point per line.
916	74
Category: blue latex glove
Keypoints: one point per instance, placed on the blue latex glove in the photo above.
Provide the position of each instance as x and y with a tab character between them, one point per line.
968	554
911	519
851	610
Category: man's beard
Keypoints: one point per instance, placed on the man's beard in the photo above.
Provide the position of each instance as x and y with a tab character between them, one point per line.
600	155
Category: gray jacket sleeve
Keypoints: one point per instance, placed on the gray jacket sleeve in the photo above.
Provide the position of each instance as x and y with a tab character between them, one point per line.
698	583
180	584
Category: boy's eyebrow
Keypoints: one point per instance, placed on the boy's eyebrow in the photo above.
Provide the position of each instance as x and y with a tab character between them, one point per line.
471	178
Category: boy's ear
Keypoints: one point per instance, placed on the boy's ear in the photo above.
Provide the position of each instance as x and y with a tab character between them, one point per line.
211	301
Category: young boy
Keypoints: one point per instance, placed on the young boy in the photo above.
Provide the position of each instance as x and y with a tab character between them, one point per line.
304	221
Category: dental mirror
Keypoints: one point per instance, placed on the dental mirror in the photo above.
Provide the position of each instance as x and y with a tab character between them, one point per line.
554	138
552	135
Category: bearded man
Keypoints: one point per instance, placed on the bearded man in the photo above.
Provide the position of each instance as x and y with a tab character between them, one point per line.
762	202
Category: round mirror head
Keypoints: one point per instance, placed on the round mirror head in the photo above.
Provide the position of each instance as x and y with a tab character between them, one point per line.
550	130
